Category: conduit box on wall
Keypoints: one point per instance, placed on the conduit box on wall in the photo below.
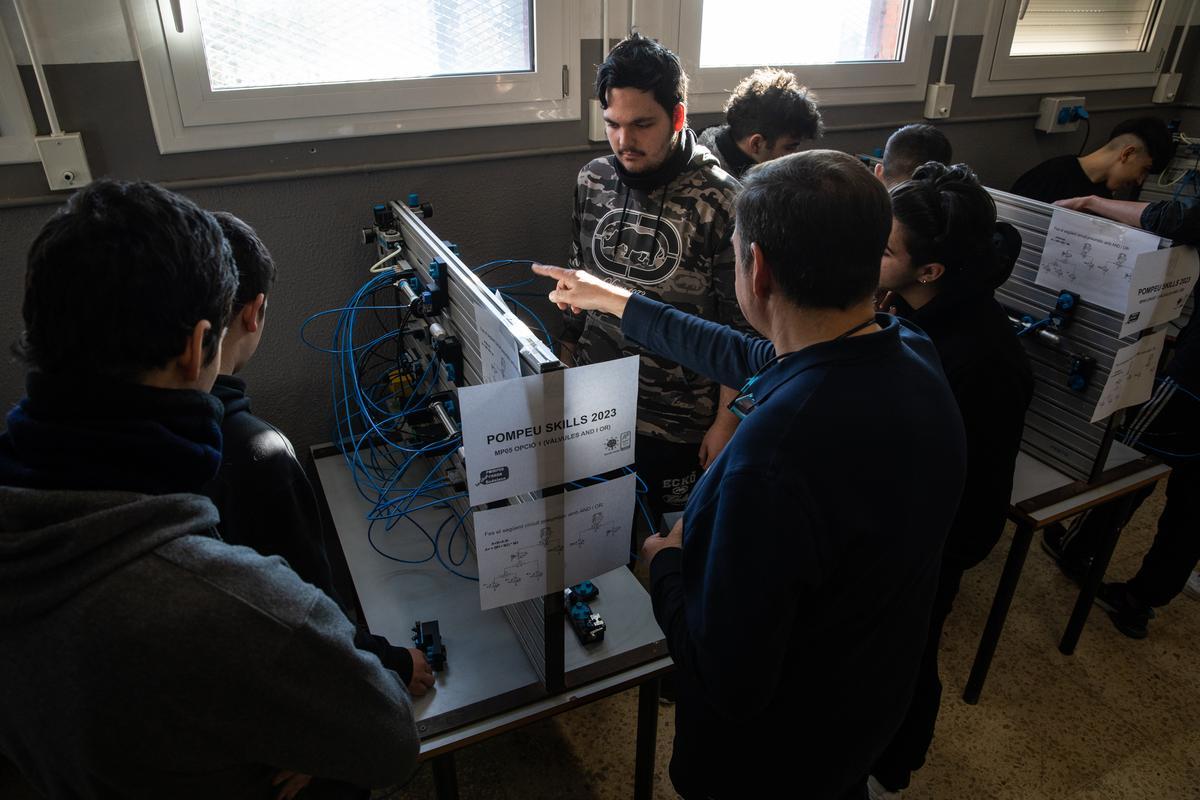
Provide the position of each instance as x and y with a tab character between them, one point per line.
1060	114
64	160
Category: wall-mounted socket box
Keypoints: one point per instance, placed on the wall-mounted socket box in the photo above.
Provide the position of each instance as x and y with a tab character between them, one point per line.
938	99
64	161
1060	114
1168	87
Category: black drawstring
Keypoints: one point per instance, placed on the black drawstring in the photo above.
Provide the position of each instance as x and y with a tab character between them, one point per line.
662	204
621	227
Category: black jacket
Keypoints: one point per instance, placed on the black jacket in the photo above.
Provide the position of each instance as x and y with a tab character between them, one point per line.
811	546
990	377
267	503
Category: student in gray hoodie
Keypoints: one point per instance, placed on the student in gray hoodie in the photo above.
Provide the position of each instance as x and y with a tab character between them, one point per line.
140	656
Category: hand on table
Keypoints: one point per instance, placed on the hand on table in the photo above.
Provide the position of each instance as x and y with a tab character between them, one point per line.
422	679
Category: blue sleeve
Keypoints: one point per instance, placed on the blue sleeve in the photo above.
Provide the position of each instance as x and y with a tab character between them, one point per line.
708	631
711	349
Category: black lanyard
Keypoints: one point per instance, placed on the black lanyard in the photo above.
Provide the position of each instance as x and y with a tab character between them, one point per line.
744	403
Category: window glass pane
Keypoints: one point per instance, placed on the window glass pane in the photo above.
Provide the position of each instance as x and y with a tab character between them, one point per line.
1071	27
735	33
251	43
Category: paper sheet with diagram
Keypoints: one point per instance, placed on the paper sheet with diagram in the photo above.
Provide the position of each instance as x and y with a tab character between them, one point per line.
530	549
1092	257
1162	282
499	353
545	430
1131	379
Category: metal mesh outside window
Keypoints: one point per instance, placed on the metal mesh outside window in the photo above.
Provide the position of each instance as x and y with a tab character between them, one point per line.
801	32
252	43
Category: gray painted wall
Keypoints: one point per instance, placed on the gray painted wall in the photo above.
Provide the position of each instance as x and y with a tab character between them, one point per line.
309	200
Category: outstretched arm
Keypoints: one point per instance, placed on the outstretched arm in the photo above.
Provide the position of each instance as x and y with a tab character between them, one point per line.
1127	212
717	351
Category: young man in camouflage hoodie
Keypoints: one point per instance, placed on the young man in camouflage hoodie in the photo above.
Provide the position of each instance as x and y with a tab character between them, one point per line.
657	218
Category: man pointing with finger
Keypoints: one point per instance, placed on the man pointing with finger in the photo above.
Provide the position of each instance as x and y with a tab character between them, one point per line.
808	547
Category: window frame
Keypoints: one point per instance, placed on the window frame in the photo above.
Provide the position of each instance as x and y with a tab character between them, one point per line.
188	115
836	84
998	74
17	131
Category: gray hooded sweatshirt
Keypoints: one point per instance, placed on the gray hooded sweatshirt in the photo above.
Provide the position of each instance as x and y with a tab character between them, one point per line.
140	657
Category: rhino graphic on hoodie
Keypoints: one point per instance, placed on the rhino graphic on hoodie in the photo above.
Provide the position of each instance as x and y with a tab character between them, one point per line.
672	243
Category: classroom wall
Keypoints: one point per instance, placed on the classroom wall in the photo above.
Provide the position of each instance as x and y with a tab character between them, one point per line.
498	192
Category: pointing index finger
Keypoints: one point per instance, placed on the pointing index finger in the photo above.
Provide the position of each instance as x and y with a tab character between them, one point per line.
557	273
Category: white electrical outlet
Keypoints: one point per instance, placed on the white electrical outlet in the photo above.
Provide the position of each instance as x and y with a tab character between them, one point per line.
64	160
1055	114
1168	87
938	99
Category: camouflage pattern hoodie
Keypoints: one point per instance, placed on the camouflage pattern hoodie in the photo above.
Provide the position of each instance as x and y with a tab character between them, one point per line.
671	242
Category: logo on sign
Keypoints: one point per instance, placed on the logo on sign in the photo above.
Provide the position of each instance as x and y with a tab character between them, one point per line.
615	444
494	475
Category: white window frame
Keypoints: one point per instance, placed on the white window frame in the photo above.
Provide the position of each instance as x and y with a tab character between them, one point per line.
998	73
835	84
17	130
188	115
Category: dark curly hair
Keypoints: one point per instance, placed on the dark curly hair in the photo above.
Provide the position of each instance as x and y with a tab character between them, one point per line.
771	102
950	219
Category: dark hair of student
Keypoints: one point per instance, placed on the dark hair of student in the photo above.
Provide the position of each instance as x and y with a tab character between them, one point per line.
1154	135
910	147
117	280
256	268
950	219
641	63
771	102
822	221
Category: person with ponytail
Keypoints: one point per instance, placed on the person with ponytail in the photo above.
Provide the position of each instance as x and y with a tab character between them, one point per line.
945	256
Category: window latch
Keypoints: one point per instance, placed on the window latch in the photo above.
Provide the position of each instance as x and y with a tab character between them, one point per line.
177	14
566	81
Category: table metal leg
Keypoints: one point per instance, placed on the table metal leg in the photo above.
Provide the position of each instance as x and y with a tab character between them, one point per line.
445	777
647	739
1091	582
995	621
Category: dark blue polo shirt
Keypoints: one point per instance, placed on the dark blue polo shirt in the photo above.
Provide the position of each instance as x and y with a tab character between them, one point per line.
797	609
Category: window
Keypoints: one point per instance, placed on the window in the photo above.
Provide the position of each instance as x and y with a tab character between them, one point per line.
1073	45
852	51
855	30
247	72
1064	27
253	45
16	124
